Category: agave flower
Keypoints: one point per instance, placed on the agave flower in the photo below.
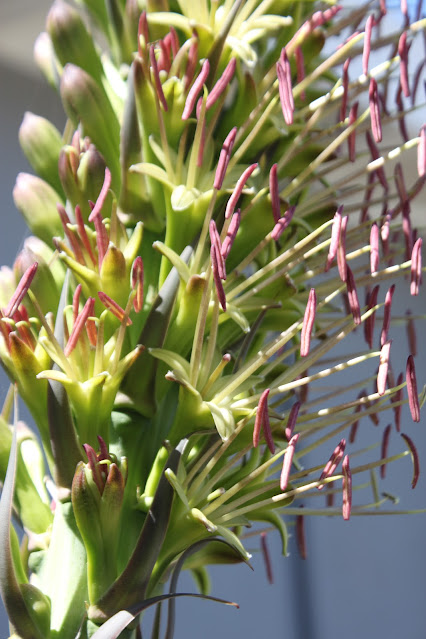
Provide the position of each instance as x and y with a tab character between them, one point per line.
212	252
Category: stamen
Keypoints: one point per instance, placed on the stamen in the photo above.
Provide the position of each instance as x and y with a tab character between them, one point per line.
353	296
231	234
266	558
415	459
308	323
261	408
345	84
21	290
287	462
374	249
382	374
367	43
300	69
224	158
376	124
403	64
376	155
137	283
83	235
215	242
191	64
115	308
387	315
96	211
333	462
218	282
79	325
341	250
221	84
282	224
285	87
69	235
416	267
335	237
353	115
143	32
411	334
421	152
354	427
157	80
292	418
384	449
75	302
347	489
195	90
413	398
274	192
232	202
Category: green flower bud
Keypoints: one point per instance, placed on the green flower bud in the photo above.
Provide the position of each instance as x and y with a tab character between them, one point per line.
87	103
36	200
45	59
83	183
71	40
114	276
41	143
38	606
43	285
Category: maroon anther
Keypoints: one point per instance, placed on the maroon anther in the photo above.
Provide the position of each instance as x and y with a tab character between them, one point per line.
83	234
415	458
353	115
216	277
215	242
387	315
308	323
347	489
191	65
282	224
274	192
396	399
353	296
114	308
416	267
333	462
21	290
371	301
384	449
374	249
367	43
291	422
232	202
335	237
231	234
266	557
224	157
421	152
341	250
354	426
137	283
76	302
345	85
142	31
262	422
65	221
195	90
285	88
382	373
221	84
157	81
376	123
288	461
403	64
413	398
300	68
79	325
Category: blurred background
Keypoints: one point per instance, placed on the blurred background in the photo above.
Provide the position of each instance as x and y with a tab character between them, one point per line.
365	578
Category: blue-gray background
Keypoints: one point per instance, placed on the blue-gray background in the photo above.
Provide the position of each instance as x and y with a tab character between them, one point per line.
366	578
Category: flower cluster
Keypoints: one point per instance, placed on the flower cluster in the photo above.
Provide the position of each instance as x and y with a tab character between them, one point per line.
220	214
